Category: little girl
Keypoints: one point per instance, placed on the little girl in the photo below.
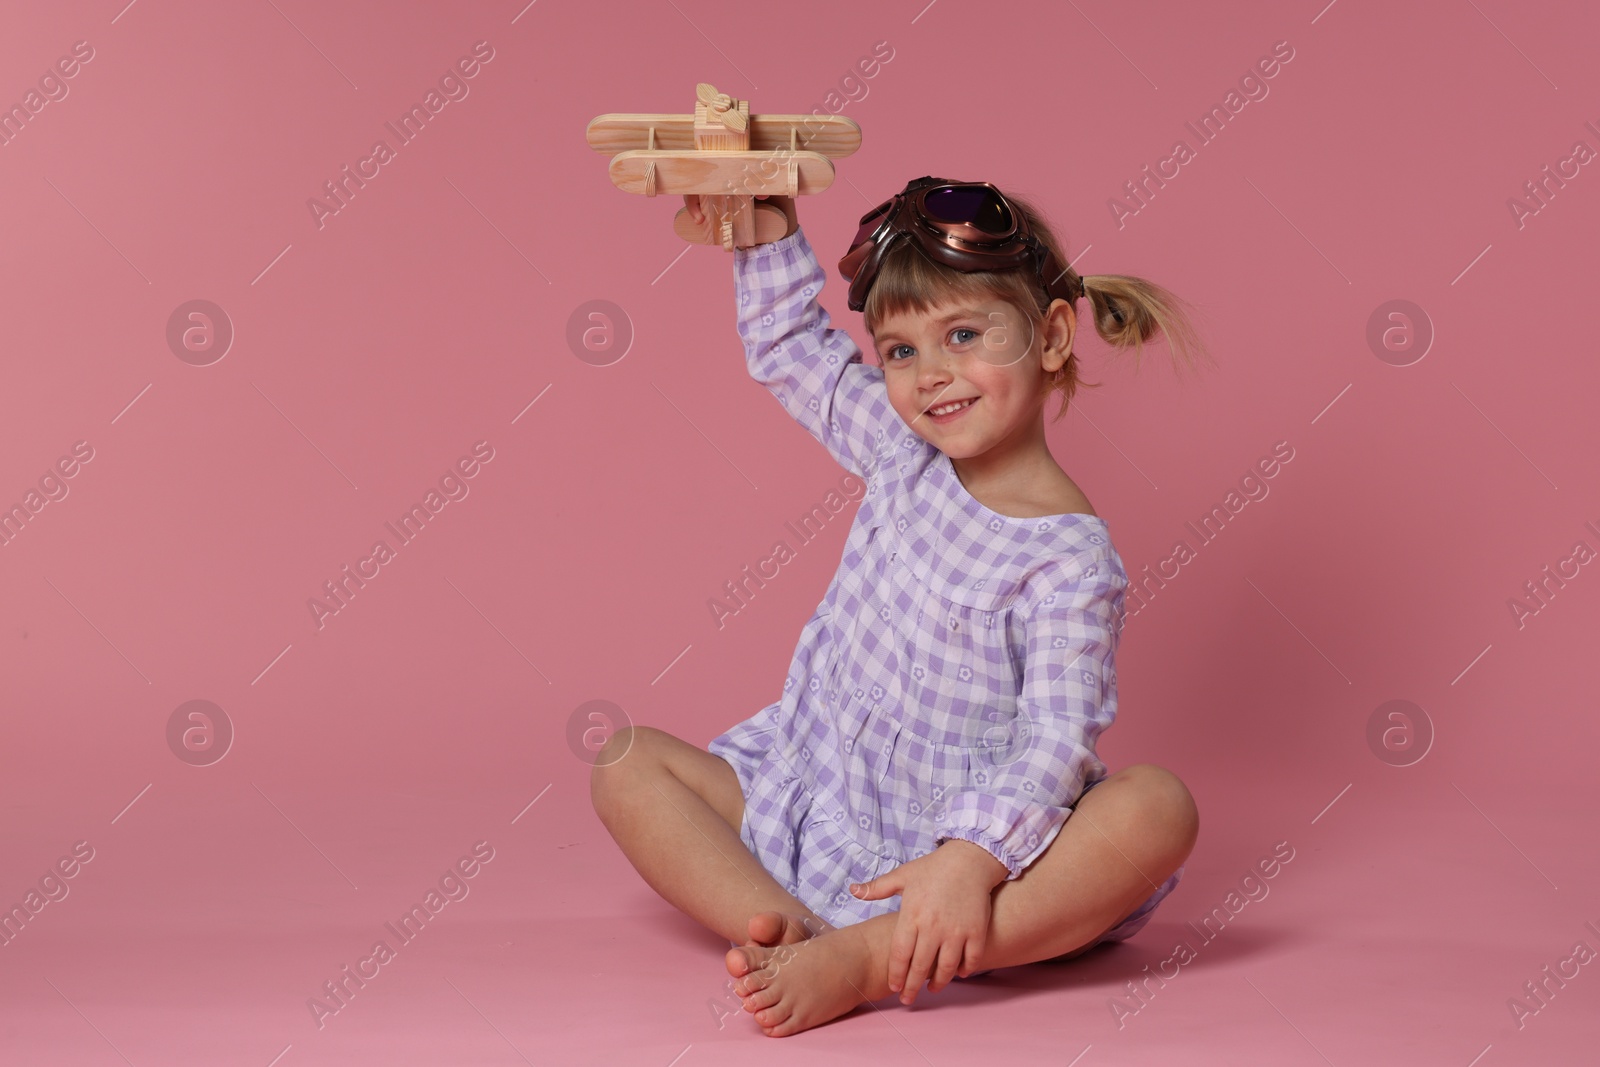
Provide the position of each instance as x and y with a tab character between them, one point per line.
924	801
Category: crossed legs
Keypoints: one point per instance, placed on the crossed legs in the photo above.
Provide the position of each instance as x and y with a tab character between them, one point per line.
675	811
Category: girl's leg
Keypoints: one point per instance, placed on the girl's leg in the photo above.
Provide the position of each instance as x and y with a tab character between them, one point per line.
675	812
1124	838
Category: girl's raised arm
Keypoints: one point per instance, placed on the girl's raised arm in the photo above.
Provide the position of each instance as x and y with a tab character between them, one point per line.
814	370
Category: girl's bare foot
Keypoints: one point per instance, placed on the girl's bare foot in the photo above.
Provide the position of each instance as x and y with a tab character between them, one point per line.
793	987
770	928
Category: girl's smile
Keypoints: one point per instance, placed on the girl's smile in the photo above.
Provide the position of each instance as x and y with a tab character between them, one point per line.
949	411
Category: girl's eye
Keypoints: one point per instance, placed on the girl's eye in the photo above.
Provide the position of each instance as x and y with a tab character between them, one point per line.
890	356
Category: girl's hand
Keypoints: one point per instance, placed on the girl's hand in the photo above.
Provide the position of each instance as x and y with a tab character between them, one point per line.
944	915
785	203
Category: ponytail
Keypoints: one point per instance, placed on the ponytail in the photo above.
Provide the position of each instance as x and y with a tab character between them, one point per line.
1128	312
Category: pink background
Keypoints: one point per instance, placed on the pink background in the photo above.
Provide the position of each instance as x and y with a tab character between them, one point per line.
427	315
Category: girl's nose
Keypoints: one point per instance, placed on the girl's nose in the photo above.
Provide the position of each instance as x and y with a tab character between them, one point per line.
934	368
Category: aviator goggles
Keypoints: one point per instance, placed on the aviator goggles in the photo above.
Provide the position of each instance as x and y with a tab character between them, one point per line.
967	226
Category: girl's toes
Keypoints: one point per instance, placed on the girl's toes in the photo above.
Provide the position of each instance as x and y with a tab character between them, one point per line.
772	1018
751	984
767	927
742	961
761	998
751	970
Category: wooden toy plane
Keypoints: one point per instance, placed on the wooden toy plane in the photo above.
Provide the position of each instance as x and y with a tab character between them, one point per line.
728	157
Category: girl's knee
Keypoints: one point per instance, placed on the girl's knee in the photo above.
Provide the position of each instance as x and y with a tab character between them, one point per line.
1168	802
620	759
635	745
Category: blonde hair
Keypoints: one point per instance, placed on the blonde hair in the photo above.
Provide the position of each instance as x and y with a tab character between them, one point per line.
1127	311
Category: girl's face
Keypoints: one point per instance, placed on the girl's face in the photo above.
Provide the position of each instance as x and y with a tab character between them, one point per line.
984	351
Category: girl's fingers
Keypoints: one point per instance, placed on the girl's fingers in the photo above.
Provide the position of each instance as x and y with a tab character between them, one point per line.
922	961
972	955
949	961
900	949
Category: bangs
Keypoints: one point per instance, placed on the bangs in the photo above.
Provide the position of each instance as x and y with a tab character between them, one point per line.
908	282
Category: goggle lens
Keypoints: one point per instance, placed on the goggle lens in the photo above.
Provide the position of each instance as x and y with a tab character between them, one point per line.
975	207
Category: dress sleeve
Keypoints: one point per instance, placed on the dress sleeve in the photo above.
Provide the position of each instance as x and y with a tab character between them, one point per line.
815	371
1016	803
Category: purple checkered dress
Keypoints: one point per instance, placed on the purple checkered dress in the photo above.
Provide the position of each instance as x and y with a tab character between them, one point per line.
954	679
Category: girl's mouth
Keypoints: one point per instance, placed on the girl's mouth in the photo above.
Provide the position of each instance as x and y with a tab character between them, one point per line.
950	416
